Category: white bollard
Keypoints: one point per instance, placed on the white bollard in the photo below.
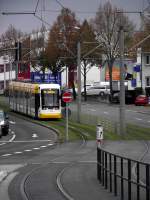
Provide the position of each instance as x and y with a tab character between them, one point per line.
99	135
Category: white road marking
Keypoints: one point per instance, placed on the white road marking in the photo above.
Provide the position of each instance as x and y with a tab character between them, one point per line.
36	148
27	150
148	121
13	137
5	142
49	144
42	146
34	135
138	119
106	113
12	122
2	144
18	152
22	141
5	155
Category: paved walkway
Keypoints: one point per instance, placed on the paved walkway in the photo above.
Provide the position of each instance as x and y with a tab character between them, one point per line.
130	149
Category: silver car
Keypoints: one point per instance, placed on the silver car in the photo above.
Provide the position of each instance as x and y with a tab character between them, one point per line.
97	90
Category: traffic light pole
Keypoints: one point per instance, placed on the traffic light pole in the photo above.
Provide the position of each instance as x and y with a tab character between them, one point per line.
67	136
79	81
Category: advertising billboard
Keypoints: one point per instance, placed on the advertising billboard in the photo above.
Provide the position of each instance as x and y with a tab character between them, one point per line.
116	70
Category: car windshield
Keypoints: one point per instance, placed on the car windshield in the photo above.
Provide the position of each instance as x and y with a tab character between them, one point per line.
1	116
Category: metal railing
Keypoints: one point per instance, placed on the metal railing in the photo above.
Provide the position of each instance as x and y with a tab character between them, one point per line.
127	178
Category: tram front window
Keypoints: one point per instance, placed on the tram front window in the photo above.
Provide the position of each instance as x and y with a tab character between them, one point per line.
50	98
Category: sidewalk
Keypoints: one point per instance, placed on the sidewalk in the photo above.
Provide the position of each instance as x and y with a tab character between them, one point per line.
133	149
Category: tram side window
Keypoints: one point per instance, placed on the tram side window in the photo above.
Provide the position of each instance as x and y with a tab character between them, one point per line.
21	97
50	98
32	102
16	93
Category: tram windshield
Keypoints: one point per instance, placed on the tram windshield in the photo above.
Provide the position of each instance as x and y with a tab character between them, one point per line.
50	98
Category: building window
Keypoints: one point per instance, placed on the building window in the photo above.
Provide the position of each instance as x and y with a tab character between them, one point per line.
147	59
147	80
1	68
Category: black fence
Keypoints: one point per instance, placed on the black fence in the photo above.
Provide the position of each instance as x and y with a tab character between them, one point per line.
127	178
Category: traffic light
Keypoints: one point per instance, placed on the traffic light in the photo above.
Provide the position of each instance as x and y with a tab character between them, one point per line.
18	51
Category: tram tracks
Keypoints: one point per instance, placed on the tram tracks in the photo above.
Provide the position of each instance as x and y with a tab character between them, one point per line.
60	173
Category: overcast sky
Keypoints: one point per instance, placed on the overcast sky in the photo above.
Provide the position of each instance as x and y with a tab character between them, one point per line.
84	9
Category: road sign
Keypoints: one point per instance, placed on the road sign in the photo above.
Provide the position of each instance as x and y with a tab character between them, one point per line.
67	97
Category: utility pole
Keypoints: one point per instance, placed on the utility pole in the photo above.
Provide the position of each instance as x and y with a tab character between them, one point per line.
79	81
4	77
122	86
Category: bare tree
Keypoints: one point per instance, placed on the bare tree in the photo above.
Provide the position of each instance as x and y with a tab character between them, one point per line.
8	39
90	54
107	25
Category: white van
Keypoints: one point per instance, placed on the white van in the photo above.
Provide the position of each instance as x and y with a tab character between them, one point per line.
97	90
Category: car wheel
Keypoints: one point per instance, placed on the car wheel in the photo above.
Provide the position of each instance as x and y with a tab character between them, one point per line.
5	132
102	95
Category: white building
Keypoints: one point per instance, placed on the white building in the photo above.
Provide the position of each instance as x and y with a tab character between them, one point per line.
143	77
7	73
93	75
145	69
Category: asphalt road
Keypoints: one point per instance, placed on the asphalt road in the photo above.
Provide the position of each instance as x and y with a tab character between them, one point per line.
24	137
138	115
39	168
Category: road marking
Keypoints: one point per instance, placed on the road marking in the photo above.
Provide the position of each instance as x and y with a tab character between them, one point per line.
106	113
5	155
18	152
2	144
49	144
138	119
12	122
27	150
13	137
36	148
42	146
148	121
34	135
26	141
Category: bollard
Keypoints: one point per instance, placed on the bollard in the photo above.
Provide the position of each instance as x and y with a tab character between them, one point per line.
99	135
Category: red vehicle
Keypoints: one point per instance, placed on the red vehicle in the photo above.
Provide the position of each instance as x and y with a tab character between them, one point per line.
141	100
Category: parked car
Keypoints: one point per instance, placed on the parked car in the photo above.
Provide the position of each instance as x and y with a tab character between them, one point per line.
141	100
116	97
4	123
97	90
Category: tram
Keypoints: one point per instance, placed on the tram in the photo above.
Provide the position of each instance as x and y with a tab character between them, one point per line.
41	101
